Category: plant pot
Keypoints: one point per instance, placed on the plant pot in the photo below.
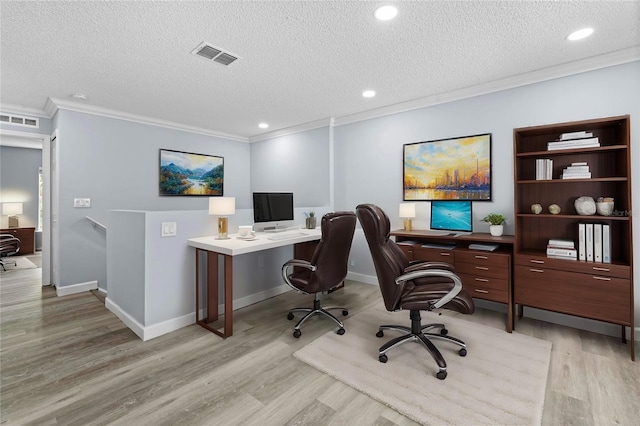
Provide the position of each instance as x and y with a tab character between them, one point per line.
496	230
310	223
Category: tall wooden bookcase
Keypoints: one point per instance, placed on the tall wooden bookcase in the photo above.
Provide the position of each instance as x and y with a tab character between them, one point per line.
600	291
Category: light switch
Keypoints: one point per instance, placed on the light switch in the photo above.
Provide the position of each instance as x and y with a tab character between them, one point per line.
169	229
81	203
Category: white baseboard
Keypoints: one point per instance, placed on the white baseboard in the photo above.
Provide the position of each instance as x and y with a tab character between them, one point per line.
167	326
76	288
362	278
257	297
127	319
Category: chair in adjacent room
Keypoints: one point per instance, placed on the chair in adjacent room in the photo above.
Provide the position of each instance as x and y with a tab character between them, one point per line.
326	270
412	286
9	245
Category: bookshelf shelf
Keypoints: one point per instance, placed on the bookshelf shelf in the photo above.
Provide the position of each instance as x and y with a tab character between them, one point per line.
589	289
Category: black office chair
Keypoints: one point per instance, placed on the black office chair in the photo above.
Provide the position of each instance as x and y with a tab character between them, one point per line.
9	245
412	286
327	268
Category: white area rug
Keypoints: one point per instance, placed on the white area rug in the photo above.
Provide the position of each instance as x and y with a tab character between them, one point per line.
20	263
502	379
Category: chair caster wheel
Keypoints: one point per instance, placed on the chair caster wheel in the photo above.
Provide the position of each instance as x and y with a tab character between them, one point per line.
290	316
383	358
296	333
379	334
345	313
441	375
444	332
462	352
340	331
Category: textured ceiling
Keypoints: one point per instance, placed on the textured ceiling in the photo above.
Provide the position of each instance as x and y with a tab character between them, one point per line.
300	61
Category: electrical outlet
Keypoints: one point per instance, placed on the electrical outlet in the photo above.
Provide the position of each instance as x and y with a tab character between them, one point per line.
169	229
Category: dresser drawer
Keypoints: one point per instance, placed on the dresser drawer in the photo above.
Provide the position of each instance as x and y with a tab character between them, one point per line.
434	255
605	269
484	282
587	295
483	258
407	249
482	270
480	291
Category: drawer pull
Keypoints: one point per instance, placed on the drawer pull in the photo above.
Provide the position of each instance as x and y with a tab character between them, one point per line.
536	261
445	254
477	256
596	268
601	278
481	291
484	280
482	268
536	270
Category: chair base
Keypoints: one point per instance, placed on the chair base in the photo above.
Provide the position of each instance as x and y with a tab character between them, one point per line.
316	310
10	261
417	333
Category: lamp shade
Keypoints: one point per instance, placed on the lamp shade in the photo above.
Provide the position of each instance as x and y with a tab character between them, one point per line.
10	209
222	206
407	210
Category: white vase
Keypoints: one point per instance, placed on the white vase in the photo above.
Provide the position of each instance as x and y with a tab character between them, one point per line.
496	230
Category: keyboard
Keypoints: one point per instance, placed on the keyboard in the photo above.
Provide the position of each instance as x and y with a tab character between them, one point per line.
286	236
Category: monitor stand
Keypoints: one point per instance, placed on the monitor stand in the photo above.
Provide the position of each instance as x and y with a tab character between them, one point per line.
275	228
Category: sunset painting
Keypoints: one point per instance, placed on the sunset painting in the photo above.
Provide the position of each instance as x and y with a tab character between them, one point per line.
448	169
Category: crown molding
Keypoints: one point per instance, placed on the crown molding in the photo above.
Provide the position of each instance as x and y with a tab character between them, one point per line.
325	122
20	110
54	104
577	67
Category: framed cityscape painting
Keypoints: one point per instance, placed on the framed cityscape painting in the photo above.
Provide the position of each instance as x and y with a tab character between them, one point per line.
186	173
448	169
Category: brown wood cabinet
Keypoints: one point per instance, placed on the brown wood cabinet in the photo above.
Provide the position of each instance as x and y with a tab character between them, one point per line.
485	274
594	290
27	237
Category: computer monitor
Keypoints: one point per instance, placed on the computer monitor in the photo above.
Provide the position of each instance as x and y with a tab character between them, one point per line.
451	216
272	208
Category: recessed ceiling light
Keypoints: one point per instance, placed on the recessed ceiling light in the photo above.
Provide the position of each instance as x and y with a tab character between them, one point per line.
384	13
263	125
79	96
580	34
368	93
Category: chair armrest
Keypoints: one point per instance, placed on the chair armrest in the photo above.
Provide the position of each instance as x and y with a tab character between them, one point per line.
457	283
295	263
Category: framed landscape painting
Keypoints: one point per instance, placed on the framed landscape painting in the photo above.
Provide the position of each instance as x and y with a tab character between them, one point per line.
186	173
448	169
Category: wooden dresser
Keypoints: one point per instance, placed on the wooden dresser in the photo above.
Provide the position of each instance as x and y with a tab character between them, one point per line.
27	237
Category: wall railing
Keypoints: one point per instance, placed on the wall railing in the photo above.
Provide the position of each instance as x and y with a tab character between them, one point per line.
96	225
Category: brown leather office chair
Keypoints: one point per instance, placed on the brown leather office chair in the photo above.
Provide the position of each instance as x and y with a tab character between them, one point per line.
9	245
412	286
327	268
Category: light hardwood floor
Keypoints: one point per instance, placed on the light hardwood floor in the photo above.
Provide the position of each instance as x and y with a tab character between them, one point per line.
70	361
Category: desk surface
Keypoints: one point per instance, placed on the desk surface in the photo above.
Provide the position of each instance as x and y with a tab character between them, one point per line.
473	237
235	246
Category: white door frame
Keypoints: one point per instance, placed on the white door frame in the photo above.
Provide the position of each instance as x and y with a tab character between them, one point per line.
38	141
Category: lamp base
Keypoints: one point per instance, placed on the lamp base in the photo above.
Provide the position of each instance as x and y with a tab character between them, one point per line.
13	222
407	224
222	228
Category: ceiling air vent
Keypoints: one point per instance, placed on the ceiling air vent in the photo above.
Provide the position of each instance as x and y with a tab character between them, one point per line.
19	120
214	54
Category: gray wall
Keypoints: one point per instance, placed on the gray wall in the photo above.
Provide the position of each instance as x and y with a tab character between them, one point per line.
116	164
19	182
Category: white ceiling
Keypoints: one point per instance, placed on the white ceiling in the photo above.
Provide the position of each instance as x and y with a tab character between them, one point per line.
301	62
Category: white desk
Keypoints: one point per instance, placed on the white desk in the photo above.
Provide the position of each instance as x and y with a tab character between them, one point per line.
234	246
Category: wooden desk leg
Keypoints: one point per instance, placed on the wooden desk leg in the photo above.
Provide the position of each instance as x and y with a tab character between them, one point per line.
228	296
212	286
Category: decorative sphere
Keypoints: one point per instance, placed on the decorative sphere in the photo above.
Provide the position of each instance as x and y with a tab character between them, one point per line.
554	209
536	208
585	206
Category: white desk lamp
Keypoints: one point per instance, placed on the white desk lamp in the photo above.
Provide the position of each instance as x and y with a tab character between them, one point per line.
407	212
12	210
222	207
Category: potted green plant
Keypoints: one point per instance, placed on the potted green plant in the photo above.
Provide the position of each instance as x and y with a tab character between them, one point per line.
310	220
496	223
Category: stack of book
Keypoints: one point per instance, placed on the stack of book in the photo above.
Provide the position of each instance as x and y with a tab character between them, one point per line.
544	168
594	242
574	140
562	249
576	171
